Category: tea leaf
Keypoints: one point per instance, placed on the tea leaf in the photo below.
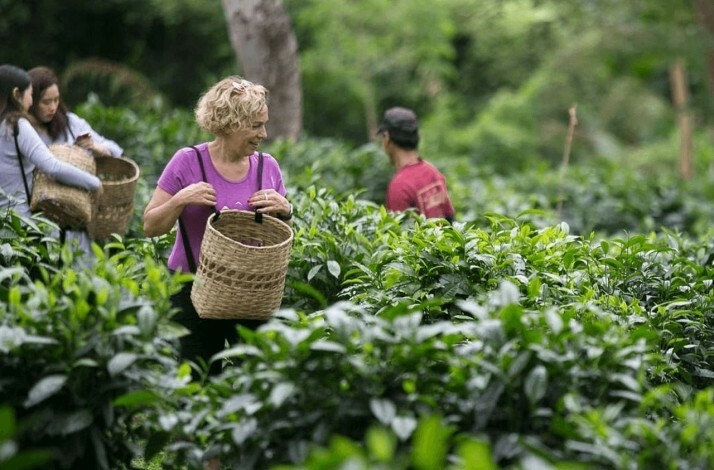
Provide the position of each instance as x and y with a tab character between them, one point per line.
384	410
536	384
120	362
334	268
44	389
404	426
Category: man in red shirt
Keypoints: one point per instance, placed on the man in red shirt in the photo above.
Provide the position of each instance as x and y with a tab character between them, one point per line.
417	183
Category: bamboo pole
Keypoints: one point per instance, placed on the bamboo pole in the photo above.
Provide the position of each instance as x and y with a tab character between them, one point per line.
572	123
680	97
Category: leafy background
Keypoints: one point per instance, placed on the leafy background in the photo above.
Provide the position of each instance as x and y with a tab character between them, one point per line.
519	337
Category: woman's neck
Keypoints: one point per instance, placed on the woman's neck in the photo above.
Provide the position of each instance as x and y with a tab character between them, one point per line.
223	153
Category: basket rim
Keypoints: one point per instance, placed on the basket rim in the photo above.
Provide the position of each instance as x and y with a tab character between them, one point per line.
73	155
285	242
135	177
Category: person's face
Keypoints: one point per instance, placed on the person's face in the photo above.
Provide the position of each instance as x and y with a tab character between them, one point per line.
25	98
49	102
246	141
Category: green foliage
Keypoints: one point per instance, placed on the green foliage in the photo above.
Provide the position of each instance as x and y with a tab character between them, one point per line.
516	336
414	36
85	351
507	372
180	46
488	76
150	136
114	82
363	171
433	436
335	236
10	457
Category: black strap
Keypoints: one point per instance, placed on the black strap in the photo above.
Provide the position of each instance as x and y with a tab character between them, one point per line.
258	215
16	132
187	247
203	175
182	227
184	235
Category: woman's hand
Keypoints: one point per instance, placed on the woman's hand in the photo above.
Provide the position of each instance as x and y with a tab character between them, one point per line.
87	143
164	209
270	201
200	194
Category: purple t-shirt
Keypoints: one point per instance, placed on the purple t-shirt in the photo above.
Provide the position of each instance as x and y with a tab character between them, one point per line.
183	170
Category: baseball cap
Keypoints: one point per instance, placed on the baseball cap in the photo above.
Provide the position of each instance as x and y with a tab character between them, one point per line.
401	123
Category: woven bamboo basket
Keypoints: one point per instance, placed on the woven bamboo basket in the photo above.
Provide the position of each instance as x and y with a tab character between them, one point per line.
242	266
115	206
67	206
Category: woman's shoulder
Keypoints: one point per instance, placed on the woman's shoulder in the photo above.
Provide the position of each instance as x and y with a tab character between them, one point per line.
267	158
74	119
186	156
22	121
7	129
189	151
25	128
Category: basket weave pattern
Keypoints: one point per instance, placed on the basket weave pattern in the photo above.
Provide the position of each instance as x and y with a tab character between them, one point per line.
242	267
67	206
115	206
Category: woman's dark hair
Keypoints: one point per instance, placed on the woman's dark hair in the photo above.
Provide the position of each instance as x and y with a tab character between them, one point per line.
12	77
43	78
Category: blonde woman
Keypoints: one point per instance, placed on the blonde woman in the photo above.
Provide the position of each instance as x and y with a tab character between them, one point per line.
226	173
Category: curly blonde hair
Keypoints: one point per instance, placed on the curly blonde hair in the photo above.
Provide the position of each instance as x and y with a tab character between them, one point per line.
230	105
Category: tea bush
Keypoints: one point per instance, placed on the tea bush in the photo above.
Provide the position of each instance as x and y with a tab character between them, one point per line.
515	337
86	350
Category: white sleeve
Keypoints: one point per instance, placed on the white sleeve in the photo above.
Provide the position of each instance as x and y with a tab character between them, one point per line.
80	126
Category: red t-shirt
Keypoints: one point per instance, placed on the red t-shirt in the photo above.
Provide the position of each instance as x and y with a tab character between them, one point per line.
420	185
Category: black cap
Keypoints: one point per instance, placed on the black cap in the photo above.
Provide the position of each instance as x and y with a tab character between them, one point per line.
401	123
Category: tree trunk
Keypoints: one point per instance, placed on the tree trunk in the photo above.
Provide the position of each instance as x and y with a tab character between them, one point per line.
266	48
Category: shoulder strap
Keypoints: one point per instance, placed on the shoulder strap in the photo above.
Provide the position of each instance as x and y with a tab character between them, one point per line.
15	133
187	247
184	234
259	216
260	171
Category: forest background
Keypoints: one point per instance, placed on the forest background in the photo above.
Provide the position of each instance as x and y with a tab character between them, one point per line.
492	80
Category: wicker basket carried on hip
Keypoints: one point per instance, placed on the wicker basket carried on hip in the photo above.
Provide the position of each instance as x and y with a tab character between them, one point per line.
115	206
242	267
67	206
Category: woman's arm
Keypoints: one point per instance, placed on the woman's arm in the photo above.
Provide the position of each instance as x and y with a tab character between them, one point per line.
35	150
163	210
95	143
